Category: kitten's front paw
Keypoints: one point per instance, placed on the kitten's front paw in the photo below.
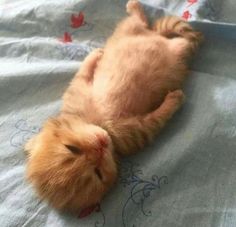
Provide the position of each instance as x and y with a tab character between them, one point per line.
177	96
98	52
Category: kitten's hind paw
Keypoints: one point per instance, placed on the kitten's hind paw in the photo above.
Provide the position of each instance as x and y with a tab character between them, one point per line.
173	26
132	5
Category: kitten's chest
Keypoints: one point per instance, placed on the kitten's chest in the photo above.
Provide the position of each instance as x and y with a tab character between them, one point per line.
116	96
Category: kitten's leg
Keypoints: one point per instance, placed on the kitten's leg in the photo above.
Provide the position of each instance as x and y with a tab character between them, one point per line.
82	80
130	135
172	27
88	66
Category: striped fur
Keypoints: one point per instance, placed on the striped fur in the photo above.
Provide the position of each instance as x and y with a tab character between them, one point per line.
173	26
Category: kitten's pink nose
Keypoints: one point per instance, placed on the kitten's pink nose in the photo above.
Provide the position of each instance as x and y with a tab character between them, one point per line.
99	149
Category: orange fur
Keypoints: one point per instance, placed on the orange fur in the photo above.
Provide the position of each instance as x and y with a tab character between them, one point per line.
121	97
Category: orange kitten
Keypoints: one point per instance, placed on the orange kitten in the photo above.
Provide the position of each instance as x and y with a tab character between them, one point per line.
120	98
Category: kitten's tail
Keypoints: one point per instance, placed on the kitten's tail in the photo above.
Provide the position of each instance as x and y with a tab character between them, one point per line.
173	26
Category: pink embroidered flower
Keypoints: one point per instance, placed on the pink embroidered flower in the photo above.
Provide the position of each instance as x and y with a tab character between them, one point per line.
191	2
186	15
77	20
66	38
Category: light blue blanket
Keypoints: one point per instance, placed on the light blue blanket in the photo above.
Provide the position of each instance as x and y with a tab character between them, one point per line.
186	179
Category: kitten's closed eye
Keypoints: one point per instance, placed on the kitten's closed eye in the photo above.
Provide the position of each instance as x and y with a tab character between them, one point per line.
73	149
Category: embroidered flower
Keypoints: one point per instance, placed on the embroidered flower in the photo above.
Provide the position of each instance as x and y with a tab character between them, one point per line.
77	20
66	38
191	2
186	15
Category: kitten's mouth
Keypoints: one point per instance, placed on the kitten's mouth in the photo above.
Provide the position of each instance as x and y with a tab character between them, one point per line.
87	211
101	156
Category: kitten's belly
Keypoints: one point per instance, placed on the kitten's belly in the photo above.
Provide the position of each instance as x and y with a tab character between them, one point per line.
132	77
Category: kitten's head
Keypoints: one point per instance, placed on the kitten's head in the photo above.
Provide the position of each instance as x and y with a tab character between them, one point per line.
71	163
